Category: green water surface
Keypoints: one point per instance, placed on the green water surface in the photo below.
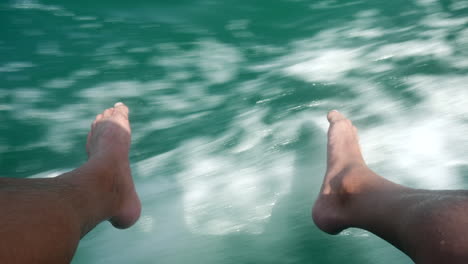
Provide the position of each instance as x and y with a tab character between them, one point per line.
228	102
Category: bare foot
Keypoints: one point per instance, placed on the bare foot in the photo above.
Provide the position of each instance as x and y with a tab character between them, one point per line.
346	174
108	147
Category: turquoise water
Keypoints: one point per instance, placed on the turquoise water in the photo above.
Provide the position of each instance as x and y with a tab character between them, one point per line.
228	102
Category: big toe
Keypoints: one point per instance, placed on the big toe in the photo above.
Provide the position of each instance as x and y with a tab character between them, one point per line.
335	116
121	109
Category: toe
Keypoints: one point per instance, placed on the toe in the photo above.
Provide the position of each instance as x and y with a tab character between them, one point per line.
108	112
121	109
334	116
98	117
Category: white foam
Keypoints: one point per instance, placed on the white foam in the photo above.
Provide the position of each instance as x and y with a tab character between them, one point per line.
217	61
441	20
118	89
226	190
224	194
427	3
422	145
459	5
163	123
59	83
239	24
83	73
85	18
119	62
49	48
16	66
325	65
91	25
111	48
27	96
248	120
31	4
443	95
411	48
414	152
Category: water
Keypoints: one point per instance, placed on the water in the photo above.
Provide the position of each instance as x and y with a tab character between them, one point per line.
228	102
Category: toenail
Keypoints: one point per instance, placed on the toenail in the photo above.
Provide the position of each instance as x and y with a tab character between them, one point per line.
118	104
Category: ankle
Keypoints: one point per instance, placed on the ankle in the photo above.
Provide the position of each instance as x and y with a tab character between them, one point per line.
92	192
349	179
331	212
357	179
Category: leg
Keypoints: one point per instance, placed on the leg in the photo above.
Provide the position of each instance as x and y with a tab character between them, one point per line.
429	226
42	220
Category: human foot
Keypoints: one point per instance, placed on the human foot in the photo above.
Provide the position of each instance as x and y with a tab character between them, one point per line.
108	147
346	174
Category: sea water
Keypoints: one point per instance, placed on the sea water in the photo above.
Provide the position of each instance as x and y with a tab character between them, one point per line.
228	102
